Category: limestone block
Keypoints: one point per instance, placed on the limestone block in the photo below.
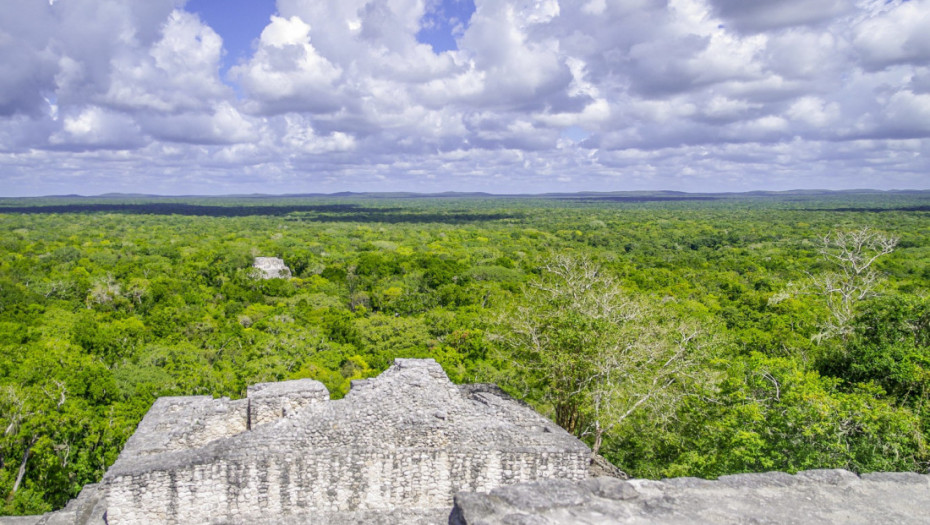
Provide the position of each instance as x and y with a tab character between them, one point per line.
179	423
271	401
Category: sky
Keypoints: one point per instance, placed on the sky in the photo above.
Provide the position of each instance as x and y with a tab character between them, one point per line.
505	96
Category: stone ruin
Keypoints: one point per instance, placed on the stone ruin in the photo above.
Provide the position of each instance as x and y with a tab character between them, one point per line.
410	447
813	497
271	268
396	449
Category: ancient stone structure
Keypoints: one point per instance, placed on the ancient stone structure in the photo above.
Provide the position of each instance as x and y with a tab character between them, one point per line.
813	497
400	446
396	449
271	268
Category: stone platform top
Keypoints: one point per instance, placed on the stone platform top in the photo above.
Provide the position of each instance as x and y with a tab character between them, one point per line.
412	405
816	497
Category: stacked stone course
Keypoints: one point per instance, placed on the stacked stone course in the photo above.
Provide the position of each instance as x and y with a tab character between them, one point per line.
401	444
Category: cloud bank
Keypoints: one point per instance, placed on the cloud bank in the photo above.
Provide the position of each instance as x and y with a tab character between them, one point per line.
542	95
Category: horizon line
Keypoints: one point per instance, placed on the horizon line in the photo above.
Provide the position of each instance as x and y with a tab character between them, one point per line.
458	194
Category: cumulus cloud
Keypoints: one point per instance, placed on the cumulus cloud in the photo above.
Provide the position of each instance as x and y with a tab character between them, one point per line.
95	127
534	96
898	34
286	73
908	115
300	137
814	111
221	124
177	73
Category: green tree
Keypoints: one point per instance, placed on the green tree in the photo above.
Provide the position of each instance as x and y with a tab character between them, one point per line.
595	354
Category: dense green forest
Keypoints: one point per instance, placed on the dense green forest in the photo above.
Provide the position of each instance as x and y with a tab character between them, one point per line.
680	336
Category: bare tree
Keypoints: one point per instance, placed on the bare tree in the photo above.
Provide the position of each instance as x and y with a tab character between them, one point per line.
566	321
651	373
593	352
13	412
853	277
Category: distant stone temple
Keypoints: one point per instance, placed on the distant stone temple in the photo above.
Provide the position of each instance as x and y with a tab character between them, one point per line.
271	268
396	449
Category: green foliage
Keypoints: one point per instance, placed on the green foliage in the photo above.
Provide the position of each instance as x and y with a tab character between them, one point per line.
596	354
890	348
772	414
104	307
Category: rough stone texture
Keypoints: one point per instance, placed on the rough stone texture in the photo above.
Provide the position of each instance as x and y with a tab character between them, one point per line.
394	450
399	446
269	402
184	423
271	268
601	467
19	520
812	497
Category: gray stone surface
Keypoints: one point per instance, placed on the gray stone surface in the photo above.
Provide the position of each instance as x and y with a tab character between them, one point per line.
394	450
399	446
812	497
184	423
601	467
271	268
269	402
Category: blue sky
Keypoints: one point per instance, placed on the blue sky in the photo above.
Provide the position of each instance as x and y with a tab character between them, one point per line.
504	96
443	22
238	22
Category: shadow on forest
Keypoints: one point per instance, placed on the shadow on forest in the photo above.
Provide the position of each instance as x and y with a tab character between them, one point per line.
643	198
873	210
310	213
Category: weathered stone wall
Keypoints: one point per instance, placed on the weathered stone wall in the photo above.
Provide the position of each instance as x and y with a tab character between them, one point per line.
325	481
182	423
408	439
271	401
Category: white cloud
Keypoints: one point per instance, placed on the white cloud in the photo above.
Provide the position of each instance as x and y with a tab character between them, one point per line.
222	124
722	108
95	127
286	73
27	66
900	34
540	94
814	111
179	71
806	54
595	7
301	138
908	114
517	69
